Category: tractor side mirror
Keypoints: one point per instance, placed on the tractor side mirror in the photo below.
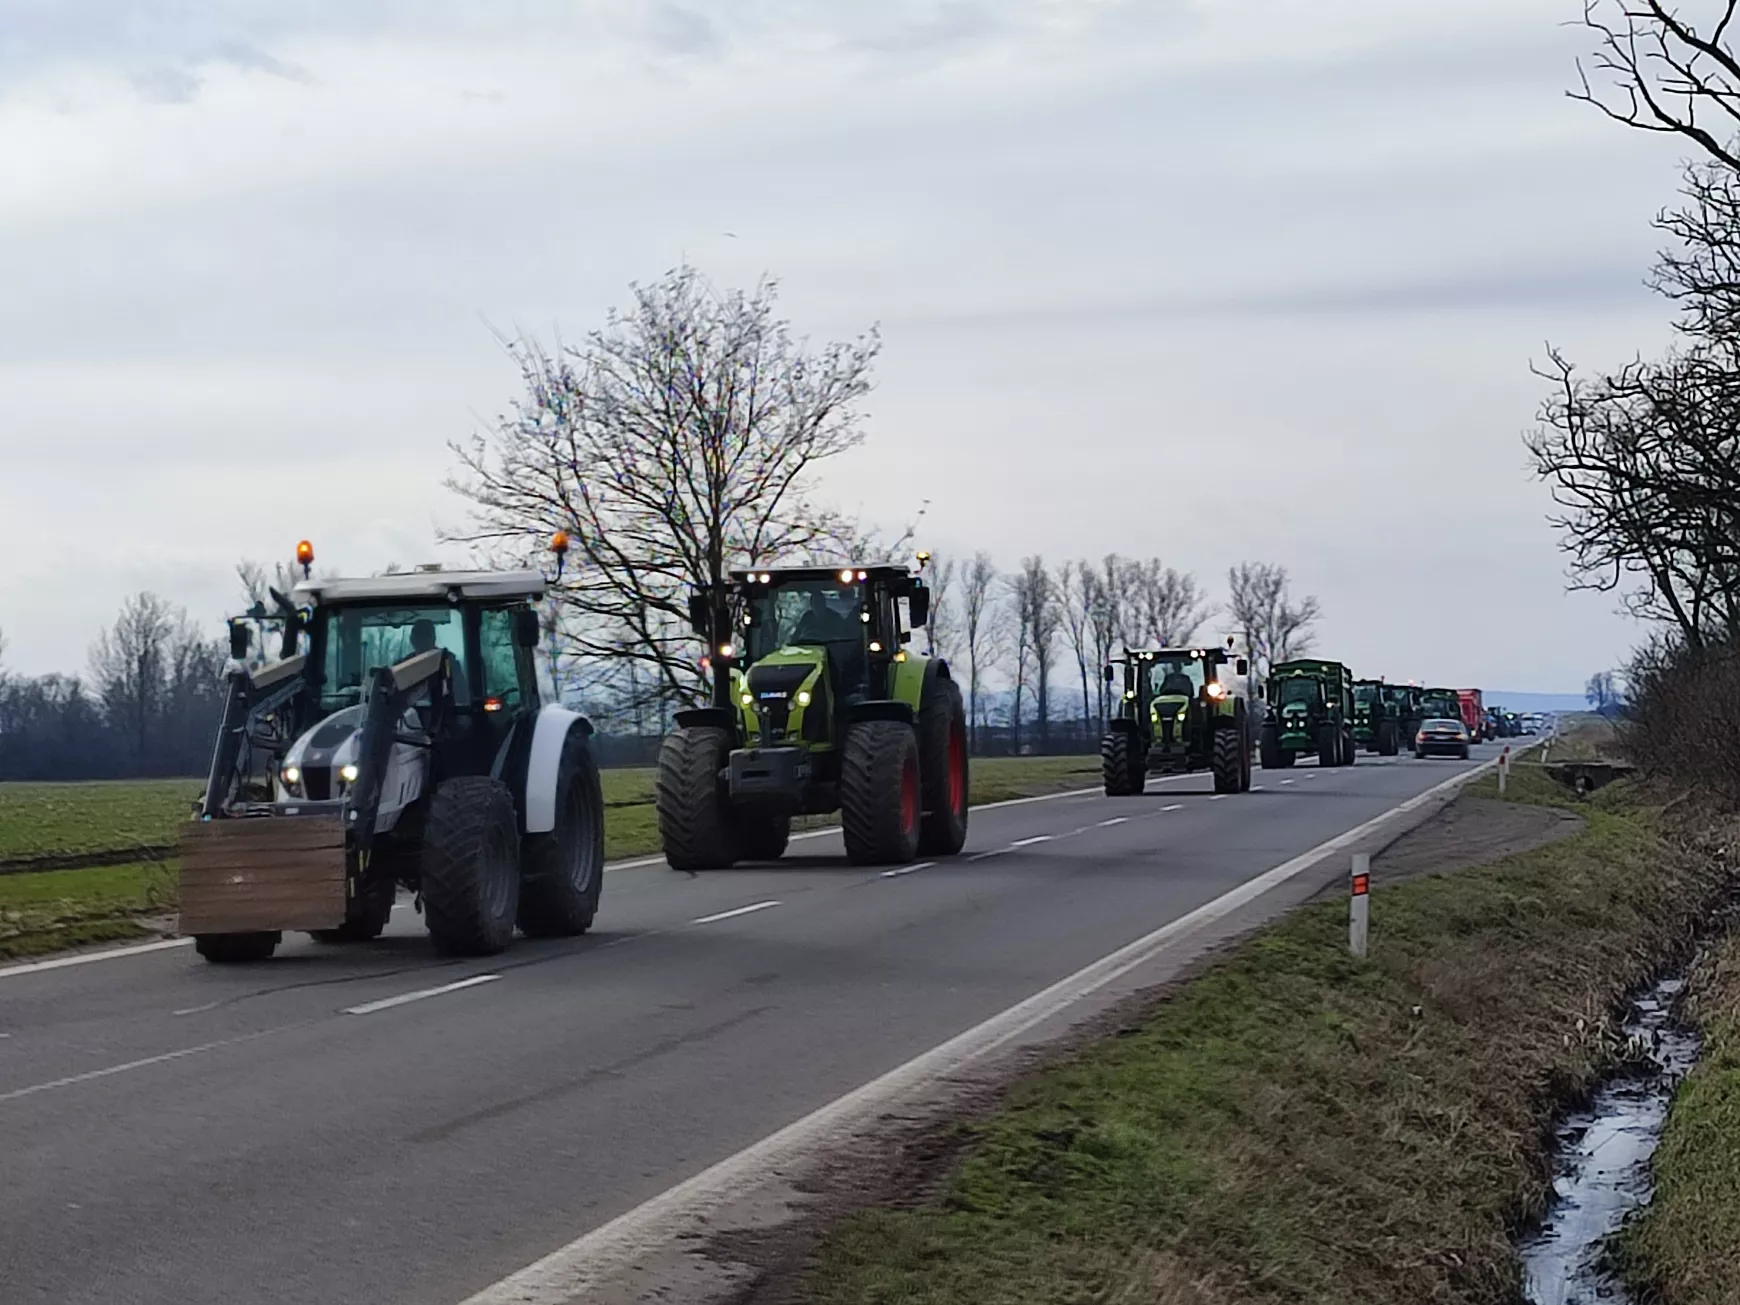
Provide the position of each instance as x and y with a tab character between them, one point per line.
240	638
701	613
1111	675
526	628
918	606
1242	666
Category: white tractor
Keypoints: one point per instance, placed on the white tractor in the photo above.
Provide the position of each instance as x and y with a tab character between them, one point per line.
407	736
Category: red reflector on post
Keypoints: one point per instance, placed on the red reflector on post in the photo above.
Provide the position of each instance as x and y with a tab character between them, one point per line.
1361	885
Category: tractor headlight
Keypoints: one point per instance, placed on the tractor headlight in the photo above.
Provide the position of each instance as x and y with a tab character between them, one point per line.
803	698
748	699
1215	689
1129	695
347	772
291	775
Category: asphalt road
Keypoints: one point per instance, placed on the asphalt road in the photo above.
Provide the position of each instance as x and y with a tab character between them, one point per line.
314	1130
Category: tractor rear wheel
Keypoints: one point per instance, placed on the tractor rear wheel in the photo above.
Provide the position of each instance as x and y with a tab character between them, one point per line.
695	825
1225	759
942	737
1329	746
236	948
470	877
762	837
1244	760
881	799
562	872
1349	749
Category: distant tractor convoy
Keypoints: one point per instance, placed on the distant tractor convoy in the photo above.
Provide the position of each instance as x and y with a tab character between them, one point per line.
408	736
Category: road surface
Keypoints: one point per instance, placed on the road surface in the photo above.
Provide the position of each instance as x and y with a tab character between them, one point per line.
367	1124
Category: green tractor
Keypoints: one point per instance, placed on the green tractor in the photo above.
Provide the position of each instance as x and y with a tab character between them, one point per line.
1180	712
1310	709
1440	704
1403	703
817	706
1376	726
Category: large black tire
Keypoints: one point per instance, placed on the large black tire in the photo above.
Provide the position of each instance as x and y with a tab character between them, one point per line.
1270	748
1389	739
942	769
881	799
1225	759
366	915
1245	760
562	872
236	948
696	828
762	837
1328	746
1123	768
471	866
1349	749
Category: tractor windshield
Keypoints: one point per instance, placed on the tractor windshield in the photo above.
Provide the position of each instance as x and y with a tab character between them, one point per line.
1176	677
1364	694
805	612
1301	690
356	640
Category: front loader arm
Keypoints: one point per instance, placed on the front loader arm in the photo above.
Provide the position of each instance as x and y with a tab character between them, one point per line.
391	691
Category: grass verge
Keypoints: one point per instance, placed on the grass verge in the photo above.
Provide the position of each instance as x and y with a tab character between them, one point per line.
1685	1248
1297	1126
57	909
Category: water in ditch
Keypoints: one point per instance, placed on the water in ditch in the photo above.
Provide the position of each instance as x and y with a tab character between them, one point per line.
1603	1164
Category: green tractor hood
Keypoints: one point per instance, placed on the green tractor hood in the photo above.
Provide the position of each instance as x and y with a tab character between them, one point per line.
785	698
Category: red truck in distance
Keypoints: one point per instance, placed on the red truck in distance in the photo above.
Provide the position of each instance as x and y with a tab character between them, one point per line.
1473	714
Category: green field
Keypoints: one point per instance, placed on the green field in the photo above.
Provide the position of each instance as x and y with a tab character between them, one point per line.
134	822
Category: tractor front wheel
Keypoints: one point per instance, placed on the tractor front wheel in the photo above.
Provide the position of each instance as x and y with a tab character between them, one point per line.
1389	742
470	877
1329	746
562	872
1226	759
236	948
366	916
881	798
942	731
695	824
1349	749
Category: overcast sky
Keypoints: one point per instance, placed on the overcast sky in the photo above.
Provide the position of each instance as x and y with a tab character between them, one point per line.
1208	280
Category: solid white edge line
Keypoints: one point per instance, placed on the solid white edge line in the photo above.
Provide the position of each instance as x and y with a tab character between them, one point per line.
569	1272
908	869
86	958
405	998
740	910
1029	842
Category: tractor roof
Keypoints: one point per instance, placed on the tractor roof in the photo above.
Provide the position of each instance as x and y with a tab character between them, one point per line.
420	585
1154	654
1307	666
859	570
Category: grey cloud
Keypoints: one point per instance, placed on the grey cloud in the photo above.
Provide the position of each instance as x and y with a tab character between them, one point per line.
684	30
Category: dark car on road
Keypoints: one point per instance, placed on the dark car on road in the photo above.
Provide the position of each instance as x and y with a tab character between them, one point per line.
1440	736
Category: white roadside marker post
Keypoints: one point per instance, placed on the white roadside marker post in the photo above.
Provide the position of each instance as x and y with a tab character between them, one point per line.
1359	907
1503	768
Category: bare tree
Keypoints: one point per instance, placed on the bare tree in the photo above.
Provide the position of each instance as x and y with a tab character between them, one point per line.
942	631
129	663
1276	627
982	628
1165	607
1107	621
1078	585
678	442
1038	620
1664	73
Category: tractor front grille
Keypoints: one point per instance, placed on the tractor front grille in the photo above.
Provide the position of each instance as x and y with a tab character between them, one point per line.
772	688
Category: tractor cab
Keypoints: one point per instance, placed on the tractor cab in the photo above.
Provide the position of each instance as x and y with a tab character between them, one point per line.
1176	703
1376	726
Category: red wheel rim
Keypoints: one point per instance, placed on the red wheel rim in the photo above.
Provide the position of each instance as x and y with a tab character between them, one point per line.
957	769
909	795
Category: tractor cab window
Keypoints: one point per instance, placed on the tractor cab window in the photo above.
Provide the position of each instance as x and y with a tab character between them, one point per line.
356	640
509	676
1300	690
1180	677
1365	694
809	613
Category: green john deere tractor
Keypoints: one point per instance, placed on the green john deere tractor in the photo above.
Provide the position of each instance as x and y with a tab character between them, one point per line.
1440	704
1403	703
1181	711
1376	728
817	706
1310	709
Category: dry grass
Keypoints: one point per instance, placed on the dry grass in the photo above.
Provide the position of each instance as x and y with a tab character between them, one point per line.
1297	1126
